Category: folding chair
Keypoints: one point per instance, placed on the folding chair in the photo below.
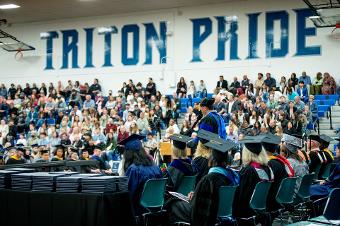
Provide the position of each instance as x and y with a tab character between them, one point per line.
152	198
225	205
285	194
303	195
187	185
258	200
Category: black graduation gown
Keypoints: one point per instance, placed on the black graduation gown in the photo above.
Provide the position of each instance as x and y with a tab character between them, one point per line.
206	198
14	161
177	169
248	180
327	160
280	173
200	167
314	161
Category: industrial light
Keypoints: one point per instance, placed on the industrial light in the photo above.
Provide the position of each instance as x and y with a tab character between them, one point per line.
9	6
314	17
45	35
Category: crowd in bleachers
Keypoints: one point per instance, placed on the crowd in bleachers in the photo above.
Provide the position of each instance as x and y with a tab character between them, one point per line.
77	121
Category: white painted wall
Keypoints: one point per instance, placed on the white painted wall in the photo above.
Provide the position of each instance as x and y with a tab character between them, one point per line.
179	49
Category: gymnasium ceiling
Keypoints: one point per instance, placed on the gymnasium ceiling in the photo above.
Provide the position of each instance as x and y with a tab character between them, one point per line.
44	10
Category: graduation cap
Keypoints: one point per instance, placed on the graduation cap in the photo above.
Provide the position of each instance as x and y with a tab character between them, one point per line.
292	140
132	143
44	151
325	139
253	143
207	102
315	137
180	141
270	141
220	145
34	145
204	135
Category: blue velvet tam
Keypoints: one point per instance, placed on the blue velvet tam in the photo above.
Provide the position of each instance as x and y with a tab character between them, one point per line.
132	143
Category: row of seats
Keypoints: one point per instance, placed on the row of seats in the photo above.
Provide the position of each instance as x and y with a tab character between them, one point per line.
154	189
325	102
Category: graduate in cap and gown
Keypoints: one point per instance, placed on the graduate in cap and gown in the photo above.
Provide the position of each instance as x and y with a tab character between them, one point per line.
138	167
211	120
16	157
317	158
202	207
280	166
44	155
255	169
202	154
180	165
59	153
326	153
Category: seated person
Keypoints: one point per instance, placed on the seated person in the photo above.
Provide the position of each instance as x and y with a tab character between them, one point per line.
138	167
180	165
256	169
326	153
317	158
280	166
59	153
323	189
44	155
202	155
202	208
97	156
16	157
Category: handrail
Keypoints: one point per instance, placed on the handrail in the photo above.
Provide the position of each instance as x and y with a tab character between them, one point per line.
329	116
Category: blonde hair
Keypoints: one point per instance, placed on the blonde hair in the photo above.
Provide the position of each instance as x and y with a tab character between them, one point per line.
248	157
178	153
202	151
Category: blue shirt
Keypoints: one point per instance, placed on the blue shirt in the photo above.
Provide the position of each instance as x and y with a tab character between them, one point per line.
306	80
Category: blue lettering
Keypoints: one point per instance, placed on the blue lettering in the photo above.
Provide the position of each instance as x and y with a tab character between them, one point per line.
224	36
89	47
134	29
70	47
151	35
270	18
198	38
252	32
49	49
302	32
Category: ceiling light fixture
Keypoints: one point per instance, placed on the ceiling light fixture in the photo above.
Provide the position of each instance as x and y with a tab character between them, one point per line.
9	6
314	17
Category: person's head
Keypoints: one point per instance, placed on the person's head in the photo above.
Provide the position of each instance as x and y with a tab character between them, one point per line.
245	77
95	81
235	79
45	155
311	98
74	156
88	97
255	154
303	74
97	151
178	153
181	80
221	78
59	152
319	76
301	84
85	154
283	79
297	99
259	76
268	75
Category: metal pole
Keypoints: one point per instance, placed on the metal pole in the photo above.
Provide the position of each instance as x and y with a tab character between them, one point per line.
330	118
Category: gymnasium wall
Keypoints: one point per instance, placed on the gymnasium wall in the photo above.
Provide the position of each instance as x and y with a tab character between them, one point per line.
199	42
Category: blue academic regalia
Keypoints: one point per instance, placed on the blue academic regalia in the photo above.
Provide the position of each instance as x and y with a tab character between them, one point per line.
138	175
175	172
214	123
333	181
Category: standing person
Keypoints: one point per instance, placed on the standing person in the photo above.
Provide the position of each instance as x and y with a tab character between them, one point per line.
138	167
181	88
211	120
201	90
